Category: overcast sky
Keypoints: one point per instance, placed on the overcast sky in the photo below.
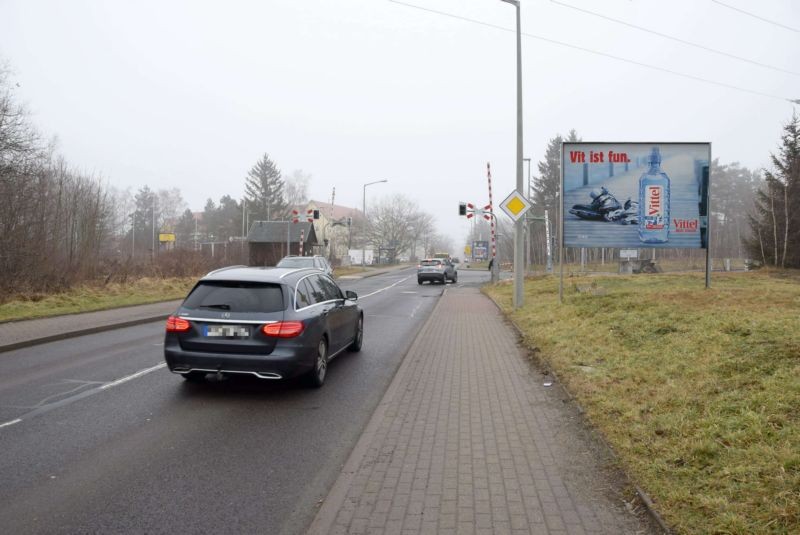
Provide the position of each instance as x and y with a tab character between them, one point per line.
190	94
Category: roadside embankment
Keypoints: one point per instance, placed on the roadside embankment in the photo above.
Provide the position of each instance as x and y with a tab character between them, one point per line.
696	390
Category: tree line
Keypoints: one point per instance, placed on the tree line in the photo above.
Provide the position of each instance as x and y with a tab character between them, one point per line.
56	220
60	226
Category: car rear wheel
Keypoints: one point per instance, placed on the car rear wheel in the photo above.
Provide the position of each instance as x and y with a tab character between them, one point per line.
316	376
195	377
419	281
356	345
444	279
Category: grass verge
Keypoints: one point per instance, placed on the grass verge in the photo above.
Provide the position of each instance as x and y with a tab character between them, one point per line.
349	270
698	391
87	298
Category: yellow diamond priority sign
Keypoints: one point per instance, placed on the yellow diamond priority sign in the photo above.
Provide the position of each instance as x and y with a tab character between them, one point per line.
515	205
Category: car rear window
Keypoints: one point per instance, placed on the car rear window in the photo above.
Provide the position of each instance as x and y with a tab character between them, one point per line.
431	263
236	296
298	262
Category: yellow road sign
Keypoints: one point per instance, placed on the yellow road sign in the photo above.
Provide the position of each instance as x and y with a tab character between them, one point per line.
515	205
166	237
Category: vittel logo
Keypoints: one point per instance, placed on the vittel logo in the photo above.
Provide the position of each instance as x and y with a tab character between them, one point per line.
685	225
655	203
654	206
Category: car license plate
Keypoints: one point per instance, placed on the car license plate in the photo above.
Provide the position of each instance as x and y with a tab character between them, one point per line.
226	331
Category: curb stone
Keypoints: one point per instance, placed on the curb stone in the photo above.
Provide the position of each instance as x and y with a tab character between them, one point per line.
643	496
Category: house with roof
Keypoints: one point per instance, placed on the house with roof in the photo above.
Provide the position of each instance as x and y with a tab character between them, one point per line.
269	241
332	226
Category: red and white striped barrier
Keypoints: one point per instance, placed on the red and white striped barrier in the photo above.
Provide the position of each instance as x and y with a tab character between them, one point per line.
489	207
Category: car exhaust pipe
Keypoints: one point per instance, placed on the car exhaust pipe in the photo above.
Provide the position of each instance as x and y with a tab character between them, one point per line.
268	375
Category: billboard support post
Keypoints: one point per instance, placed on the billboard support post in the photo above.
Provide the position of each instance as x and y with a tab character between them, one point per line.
707	180
561	232
549	247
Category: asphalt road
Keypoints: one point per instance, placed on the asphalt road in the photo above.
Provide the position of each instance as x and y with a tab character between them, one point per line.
98	437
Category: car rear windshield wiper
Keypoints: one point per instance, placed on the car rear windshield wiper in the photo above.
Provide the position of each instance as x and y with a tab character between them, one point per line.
221	306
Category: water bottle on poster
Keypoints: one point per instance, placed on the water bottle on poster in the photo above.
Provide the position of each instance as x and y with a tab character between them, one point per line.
654	202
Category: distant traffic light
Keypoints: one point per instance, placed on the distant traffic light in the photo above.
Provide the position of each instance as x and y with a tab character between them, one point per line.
462	208
349	221
316	214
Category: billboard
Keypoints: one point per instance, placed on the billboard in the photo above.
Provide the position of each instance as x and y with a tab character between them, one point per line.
635	195
480	250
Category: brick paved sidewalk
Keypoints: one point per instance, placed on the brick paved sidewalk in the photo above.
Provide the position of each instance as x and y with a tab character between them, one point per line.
16	334
468	440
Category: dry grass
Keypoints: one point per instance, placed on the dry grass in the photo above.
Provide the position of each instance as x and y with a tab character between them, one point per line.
349	270
87	298
698	391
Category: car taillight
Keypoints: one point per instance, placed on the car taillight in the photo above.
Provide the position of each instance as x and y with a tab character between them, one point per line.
284	329
177	325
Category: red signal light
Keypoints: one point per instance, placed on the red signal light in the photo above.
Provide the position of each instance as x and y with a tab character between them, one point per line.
177	325
284	329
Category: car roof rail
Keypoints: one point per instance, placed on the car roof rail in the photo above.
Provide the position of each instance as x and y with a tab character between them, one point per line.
224	269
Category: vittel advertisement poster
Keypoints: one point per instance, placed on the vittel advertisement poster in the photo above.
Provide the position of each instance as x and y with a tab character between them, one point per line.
635	195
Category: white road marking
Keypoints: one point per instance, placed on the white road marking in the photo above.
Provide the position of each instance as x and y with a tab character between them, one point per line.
12	422
133	376
383	289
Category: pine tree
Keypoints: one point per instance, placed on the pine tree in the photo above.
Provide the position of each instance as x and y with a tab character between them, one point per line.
185	228
143	217
264	191
775	220
548	184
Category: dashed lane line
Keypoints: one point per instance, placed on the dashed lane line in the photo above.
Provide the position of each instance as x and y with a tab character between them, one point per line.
384	289
12	422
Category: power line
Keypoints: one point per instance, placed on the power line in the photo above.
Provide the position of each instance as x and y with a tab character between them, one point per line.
677	39
595	52
756	16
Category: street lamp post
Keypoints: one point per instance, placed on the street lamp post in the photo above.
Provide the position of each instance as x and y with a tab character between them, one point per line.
519	276
364	207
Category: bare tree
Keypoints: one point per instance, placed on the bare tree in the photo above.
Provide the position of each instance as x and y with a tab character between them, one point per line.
296	188
395	223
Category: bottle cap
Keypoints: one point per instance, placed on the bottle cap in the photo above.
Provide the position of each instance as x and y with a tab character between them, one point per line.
655	156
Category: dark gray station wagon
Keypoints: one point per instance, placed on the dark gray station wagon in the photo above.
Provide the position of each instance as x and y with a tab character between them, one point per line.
272	323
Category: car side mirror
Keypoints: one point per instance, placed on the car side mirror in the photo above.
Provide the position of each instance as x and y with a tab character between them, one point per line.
350	294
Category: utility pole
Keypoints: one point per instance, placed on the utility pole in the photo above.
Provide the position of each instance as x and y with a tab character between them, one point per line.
133	235
330	240
364	208
244	229
519	276
153	255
